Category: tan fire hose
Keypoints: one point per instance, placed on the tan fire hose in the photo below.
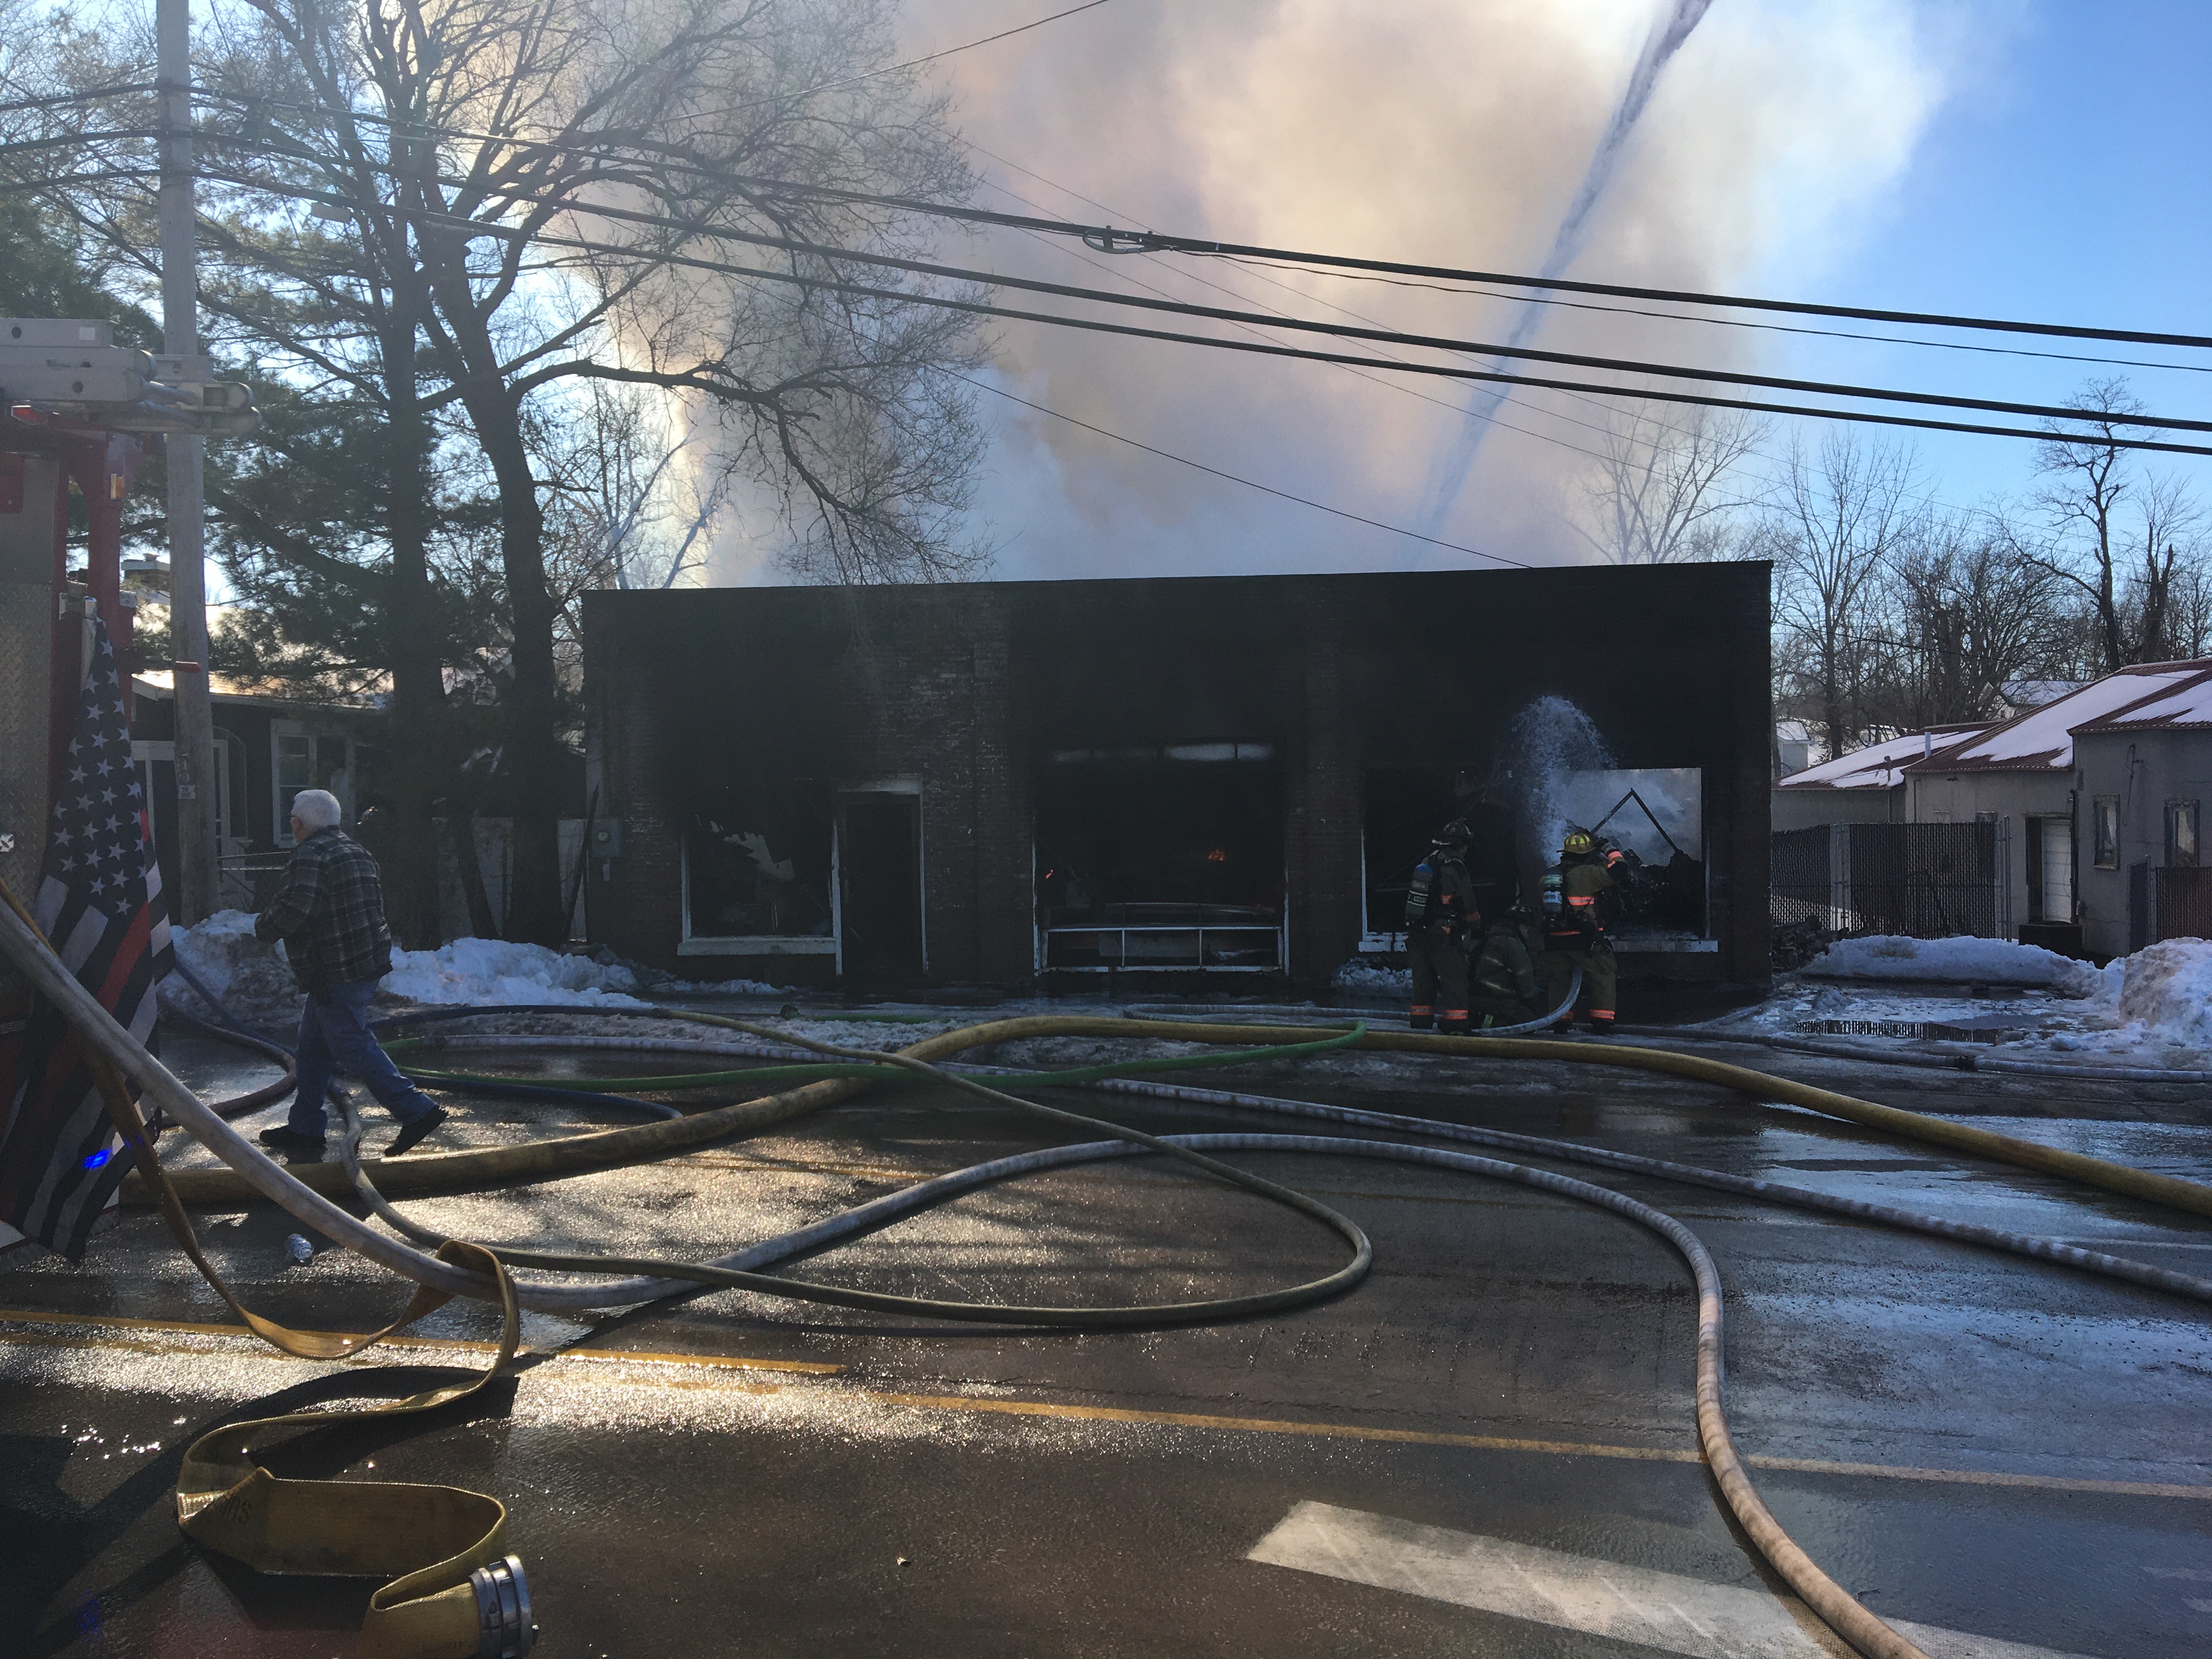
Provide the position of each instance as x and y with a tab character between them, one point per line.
258	1176
455	1591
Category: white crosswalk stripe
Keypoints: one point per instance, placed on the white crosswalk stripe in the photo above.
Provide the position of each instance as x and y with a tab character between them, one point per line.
1661	1610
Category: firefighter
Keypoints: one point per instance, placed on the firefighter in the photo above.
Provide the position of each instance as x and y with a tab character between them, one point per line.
1441	915
1503	977
1579	905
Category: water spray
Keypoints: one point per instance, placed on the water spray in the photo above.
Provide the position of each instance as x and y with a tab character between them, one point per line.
1668	32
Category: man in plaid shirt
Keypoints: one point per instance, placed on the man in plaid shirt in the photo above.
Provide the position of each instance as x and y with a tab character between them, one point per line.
330	914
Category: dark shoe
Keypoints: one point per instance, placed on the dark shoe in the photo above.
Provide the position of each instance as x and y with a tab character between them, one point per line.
1600	1028
411	1134
1563	1026
289	1140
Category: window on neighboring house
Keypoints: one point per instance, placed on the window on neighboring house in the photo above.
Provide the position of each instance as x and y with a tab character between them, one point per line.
2106	831
2181	835
304	759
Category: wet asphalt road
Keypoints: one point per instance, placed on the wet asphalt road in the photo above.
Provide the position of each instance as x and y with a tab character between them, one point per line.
1975	1442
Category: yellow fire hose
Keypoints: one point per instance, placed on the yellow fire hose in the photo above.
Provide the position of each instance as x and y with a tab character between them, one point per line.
451	1597
421	1173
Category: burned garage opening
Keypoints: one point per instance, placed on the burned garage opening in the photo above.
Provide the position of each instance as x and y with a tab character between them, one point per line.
1168	858
994	783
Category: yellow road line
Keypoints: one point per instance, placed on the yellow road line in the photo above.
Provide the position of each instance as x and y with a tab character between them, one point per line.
459	1345
984	1405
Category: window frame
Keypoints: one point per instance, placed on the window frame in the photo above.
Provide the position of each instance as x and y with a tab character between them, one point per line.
691	944
2177	813
2104	816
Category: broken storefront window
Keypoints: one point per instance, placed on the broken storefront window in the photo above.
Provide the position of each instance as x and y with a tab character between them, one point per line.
759	873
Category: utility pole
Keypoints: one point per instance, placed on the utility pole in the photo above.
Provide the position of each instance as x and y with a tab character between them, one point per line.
197	786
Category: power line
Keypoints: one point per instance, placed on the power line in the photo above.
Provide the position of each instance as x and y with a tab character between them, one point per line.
1112	240
480	227
1609	430
694	227
1738	322
916	63
1372	380
1256	267
1185	460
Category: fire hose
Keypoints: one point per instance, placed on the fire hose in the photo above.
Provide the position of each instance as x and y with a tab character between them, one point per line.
258	1175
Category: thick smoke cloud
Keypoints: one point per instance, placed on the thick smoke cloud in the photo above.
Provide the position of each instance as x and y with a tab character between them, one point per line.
1450	131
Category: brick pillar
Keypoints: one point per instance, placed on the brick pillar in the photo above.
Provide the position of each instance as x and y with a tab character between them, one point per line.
634	901
1004	904
1739	802
1323	842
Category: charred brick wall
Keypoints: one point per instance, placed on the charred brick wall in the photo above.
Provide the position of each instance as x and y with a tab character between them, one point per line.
967	690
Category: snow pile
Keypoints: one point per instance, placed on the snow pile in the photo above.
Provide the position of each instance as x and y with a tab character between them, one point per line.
1955	961
252	978
1361	974
2153	1009
720	988
2166	989
493	971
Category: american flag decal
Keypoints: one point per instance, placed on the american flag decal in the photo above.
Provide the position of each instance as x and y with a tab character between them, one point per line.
100	901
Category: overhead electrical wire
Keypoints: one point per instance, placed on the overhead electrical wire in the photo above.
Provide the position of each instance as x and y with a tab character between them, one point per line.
1733	322
950	51
1372	379
1612	432
708	230
1260	348
1249	483
1112	238
702	229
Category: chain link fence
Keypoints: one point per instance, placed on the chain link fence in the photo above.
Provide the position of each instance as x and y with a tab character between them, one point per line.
2181	902
1923	880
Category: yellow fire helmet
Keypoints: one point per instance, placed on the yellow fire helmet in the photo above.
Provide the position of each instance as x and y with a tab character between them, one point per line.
1578	841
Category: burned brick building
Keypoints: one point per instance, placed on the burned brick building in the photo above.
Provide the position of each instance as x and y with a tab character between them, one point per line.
1213	776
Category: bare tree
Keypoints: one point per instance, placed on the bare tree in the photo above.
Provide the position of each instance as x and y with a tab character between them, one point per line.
1668	487
2189	611
1959	613
515	198
2167	533
2120	537
1838	520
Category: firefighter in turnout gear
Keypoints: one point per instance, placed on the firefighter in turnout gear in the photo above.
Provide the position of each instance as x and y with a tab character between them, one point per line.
1441	916
1581	902
1503	976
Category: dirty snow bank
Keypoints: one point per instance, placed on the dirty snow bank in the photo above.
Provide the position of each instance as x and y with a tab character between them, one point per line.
255	982
2152	1009
1957	961
1361	974
252	979
2166	989
494	971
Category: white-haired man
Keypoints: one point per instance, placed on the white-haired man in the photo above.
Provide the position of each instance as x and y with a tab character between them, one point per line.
330	914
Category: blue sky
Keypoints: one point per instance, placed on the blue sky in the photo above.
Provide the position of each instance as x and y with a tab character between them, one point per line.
2067	177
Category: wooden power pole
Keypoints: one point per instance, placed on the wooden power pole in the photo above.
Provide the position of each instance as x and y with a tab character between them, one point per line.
197	787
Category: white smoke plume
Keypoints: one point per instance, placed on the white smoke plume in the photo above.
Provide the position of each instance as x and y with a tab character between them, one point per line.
1446	132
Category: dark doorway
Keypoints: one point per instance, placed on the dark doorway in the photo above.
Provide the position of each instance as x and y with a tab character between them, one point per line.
879	881
1403	807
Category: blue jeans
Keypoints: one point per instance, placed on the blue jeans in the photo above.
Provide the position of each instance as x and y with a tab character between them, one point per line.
335	1034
